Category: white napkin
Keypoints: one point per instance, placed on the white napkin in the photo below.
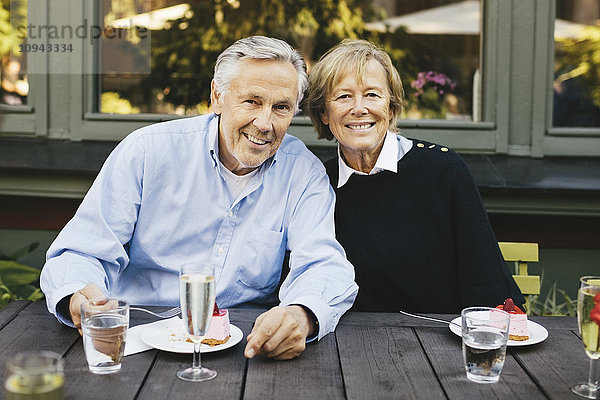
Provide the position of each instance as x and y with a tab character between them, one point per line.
134	343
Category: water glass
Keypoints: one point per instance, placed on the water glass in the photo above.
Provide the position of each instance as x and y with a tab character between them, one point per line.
104	323
34	375
484	338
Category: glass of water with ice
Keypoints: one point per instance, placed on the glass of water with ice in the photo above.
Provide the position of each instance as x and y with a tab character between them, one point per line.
104	323
484	338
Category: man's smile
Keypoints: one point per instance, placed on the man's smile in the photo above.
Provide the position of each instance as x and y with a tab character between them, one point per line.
255	140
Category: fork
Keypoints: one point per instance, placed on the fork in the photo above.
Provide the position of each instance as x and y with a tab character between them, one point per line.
165	314
429	318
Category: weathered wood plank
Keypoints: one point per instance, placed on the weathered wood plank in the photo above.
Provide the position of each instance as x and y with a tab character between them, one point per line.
43	332
313	375
444	350
380	356
557	363
10	312
556	323
82	384
245	315
385	363
38	308
397	319
392	319
230	364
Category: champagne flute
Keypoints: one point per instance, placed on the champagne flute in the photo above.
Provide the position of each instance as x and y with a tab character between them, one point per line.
197	298
589	331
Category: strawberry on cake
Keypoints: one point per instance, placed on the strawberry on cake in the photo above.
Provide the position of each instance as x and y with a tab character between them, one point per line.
518	321
218	330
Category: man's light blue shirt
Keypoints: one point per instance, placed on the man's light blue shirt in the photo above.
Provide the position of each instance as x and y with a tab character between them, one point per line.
160	201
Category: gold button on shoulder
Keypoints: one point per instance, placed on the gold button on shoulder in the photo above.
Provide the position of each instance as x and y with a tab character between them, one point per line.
420	145
444	149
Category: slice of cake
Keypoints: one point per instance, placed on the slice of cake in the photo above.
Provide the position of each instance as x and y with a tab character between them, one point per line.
518	321
218	330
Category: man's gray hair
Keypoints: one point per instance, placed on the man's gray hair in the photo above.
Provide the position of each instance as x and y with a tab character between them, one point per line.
262	48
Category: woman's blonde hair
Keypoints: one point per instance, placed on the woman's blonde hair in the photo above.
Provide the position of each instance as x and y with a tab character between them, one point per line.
334	64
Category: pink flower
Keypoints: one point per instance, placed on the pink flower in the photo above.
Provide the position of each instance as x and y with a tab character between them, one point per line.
436	80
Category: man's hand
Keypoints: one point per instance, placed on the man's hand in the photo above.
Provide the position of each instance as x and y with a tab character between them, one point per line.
279	333
89	292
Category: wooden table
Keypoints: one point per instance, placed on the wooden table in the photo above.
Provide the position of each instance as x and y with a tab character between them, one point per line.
371	356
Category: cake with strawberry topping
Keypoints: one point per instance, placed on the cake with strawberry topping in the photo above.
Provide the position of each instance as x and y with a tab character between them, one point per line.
218	330
518	321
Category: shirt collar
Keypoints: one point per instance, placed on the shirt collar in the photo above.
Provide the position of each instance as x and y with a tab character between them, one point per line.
213	144
213	139
387	160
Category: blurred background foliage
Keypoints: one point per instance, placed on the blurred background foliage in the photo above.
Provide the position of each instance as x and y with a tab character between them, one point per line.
14	86
15	11
18	281
578	59
185	51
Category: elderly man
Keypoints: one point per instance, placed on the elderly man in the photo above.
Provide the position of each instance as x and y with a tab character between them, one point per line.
229	188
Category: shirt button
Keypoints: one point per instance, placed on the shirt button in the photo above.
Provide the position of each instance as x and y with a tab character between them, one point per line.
230	213
220	250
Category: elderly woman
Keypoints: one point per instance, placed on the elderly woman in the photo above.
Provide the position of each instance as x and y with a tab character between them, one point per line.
408	212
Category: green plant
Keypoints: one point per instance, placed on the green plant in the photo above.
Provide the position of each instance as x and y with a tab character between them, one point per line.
551	306
18	281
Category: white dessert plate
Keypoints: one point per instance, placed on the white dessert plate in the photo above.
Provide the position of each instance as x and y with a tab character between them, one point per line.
537	333
170	336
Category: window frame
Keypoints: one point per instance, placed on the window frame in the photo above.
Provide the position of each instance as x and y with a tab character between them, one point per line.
489	135
557	141
486	136
30	120
516	83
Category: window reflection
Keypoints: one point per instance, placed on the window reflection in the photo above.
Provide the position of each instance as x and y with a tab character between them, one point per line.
433	43
14	86
576	86
440	65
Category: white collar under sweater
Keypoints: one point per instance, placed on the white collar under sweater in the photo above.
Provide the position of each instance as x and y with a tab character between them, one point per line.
394	148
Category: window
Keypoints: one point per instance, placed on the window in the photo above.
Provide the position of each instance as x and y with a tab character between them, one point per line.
440	62
434	44
436	48
576	81
14	86
570	72
22	96
479	75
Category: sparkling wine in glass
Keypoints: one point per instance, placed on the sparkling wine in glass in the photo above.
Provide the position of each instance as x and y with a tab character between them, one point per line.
589	331
197	297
